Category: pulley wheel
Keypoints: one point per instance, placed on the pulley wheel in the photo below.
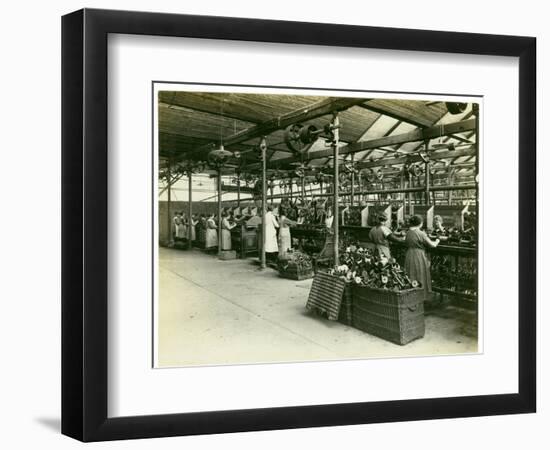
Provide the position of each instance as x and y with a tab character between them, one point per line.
292	137
455	107
308	134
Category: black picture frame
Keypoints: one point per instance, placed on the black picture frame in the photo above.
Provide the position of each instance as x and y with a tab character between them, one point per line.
84	224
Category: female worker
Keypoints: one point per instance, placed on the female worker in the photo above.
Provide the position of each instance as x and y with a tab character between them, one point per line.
226	231
201	230
380	234
211	233
193	224
329	219
182	229
176	223
271	225
301	217
285	239
320	214
438	225
417	265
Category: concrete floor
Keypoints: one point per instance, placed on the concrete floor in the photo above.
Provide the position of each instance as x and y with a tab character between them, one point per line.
228	312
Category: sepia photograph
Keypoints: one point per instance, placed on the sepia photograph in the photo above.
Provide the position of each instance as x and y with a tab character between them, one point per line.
299	225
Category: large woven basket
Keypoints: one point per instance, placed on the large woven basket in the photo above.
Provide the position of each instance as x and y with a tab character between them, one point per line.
396	316
346	307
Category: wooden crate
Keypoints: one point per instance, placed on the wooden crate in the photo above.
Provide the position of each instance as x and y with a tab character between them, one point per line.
326	294
396	316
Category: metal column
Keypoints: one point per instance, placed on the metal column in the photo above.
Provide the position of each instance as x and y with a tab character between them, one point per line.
239	189
263	149
352	179
219	211
402	185
168	206
427	182
190	212
449	181
475	108
335	123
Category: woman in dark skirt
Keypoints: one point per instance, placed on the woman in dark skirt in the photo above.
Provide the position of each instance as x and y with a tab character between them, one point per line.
381	234
417	265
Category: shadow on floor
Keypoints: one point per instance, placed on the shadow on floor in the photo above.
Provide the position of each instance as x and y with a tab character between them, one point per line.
53	423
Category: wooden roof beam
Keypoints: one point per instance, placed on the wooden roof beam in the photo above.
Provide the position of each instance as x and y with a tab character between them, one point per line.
412	136
387	133
207	103
403	114
438	122
308	112
366	130
461	139
470	151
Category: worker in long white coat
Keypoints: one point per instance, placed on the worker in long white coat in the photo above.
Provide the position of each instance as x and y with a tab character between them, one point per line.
271	226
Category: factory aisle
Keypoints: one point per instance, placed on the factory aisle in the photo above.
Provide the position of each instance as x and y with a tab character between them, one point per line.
229	312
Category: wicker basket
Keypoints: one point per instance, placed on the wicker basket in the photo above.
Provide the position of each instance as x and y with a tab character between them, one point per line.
288	268
292	273
396	316
346	307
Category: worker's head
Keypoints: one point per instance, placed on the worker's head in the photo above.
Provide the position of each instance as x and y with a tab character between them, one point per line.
415	221
381	218
438	219
269	207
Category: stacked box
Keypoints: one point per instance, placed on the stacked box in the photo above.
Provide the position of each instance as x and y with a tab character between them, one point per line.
396	316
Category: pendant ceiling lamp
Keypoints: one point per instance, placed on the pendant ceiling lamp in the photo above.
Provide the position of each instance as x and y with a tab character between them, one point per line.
219	156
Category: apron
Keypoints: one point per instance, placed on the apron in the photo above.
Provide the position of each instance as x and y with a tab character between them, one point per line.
271	225
211	234
226	235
